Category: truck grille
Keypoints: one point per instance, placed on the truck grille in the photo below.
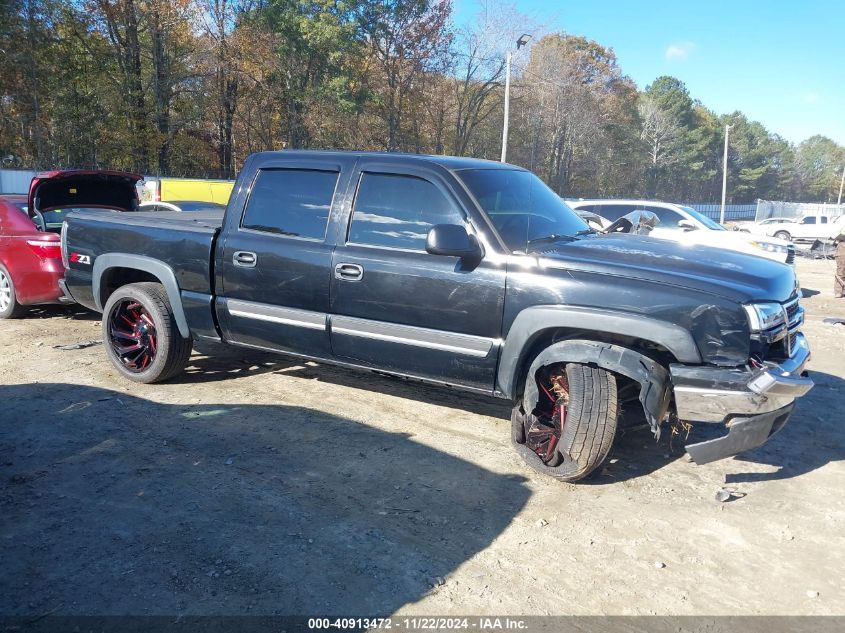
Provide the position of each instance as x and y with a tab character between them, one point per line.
775	344
792	309
779	349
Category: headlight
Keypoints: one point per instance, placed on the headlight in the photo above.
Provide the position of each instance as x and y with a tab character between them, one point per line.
768	246
764	316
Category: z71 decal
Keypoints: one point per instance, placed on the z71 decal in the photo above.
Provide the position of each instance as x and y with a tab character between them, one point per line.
76	258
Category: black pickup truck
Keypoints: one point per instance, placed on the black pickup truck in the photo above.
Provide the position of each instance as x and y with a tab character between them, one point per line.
459	272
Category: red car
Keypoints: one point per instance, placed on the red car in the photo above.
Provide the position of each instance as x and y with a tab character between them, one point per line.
30	245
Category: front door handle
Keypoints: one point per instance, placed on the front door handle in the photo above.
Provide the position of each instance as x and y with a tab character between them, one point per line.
244	259
348	272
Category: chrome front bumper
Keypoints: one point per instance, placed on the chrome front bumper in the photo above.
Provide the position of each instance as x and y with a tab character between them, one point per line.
712	394
754	404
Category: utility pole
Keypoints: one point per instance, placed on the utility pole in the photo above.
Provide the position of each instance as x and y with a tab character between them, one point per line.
522	41
507	106
841	183
725	175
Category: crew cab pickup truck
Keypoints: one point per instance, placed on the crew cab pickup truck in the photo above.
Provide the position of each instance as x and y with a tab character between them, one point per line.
459	272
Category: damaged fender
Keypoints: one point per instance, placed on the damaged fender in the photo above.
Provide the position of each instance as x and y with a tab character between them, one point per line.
653	378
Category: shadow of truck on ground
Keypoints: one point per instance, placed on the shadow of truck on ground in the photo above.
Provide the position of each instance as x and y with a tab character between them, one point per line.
113	504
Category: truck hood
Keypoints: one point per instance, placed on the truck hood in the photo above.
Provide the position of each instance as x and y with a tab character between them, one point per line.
77	188
716	271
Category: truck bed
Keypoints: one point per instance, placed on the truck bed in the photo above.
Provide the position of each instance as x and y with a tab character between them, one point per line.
183	241
202	221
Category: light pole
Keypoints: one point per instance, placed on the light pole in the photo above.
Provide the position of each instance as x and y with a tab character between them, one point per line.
725	175
841	183
522	41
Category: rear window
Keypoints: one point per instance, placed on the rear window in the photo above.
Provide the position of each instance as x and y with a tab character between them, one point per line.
292	202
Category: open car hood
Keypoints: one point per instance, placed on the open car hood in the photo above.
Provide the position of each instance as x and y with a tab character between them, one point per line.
80	188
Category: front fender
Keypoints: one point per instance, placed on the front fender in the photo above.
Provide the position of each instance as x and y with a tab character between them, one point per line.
531	322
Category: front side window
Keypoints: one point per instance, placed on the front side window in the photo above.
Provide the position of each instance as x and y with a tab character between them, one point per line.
808	221
668	219
398	211
293	202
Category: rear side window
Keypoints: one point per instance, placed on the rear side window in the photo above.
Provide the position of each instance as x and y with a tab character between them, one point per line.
294	202
398	211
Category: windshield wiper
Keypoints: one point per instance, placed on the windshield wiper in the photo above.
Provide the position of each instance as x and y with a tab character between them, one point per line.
554	237
585	232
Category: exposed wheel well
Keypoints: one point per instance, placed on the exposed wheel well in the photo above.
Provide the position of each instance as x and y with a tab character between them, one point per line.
630	390
545	338
114	278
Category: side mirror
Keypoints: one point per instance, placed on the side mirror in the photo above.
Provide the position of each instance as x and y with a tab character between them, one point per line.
687	225
454	241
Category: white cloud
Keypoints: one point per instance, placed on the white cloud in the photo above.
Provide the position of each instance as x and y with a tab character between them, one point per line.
810	98
679	50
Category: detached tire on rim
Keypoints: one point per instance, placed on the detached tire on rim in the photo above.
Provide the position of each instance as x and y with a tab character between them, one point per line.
9	306
569	434
140	334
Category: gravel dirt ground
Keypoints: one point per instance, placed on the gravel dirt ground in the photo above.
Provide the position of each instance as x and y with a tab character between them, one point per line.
259	485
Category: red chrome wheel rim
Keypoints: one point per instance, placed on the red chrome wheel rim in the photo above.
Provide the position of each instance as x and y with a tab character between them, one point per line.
132	335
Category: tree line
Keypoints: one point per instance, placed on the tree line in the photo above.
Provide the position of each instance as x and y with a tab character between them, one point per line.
192	87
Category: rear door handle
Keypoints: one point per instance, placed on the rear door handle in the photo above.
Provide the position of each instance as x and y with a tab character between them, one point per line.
348	272
244	259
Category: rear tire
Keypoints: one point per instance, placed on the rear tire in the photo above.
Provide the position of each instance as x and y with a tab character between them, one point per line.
9	306
140	334
783	235
588	431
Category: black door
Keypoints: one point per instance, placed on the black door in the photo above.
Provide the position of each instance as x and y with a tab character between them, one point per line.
396	307
275	266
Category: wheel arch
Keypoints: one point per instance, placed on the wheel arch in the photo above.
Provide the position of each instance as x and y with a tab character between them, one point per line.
113	270
651	375
538	327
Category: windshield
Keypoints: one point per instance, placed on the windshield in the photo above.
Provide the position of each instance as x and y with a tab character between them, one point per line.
522	208
710	224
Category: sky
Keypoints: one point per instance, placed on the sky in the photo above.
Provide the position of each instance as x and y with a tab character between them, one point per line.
781	63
